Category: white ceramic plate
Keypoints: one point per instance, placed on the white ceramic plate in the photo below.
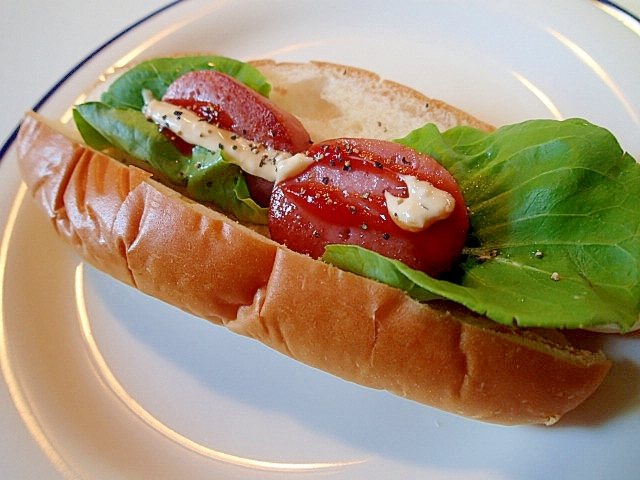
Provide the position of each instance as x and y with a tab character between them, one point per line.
108	383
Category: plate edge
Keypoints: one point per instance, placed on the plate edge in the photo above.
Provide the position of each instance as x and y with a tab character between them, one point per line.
12	137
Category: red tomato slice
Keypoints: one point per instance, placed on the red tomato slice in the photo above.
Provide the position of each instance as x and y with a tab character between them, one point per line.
228	103
340	199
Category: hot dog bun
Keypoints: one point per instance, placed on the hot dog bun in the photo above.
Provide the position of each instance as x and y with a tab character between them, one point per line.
124	223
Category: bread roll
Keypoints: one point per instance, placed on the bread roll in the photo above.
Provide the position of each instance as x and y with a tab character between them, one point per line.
143	233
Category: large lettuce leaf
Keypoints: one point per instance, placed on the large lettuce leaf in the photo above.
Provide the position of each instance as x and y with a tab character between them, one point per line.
555	220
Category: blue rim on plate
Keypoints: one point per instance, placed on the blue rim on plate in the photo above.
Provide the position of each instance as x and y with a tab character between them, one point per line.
618	7
71	72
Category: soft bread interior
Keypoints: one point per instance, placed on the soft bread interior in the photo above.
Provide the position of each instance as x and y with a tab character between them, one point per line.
340	101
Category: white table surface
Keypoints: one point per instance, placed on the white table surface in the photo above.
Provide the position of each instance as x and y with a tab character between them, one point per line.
40	41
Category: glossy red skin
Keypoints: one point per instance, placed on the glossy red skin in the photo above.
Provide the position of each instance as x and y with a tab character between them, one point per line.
226	102
339	199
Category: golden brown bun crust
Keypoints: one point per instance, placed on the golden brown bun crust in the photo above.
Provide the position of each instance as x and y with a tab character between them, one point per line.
124	223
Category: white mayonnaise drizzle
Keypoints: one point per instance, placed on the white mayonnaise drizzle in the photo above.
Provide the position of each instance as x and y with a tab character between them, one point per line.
254	158
424	206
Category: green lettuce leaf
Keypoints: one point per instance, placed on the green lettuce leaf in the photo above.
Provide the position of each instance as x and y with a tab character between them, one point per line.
204	176
554	211
158	73
213	180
